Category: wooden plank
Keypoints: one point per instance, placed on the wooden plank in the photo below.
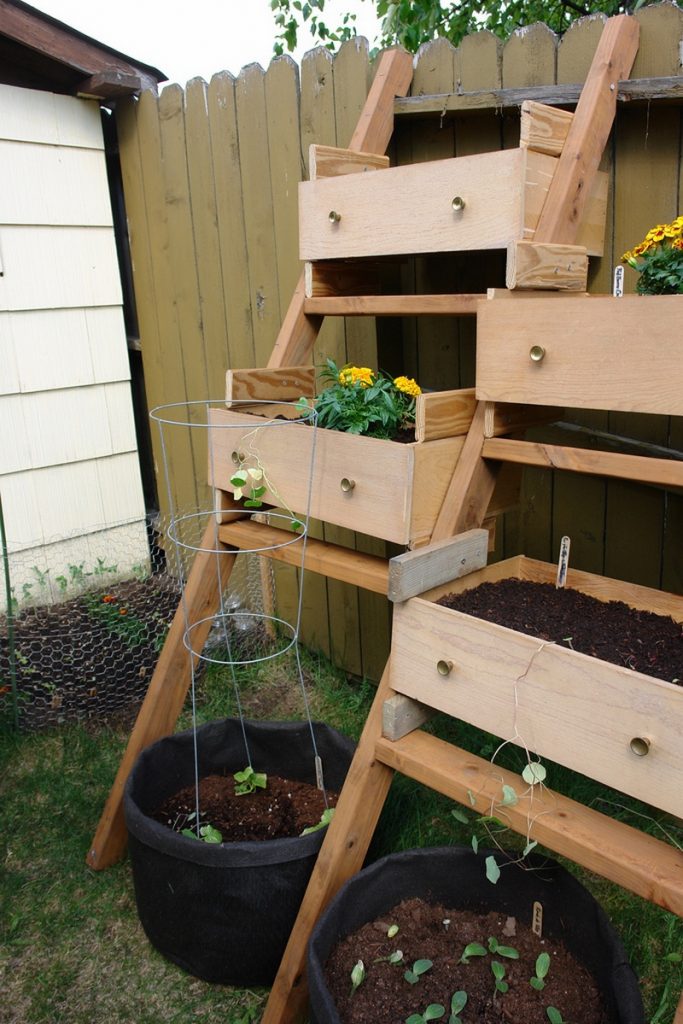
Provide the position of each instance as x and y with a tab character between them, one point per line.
341	277
394	305
470	487
400	715
544	265
258	211
540	173
543	697
662	472
109	85
167	689
341	855
678	1016
376	123
330	560
529	57
596	353
543	128
409	209
507	418
331	161
416	571
632	859
443	413
205	240
230	221
564	206
285	384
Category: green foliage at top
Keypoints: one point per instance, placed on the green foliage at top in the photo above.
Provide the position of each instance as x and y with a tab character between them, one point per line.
409	23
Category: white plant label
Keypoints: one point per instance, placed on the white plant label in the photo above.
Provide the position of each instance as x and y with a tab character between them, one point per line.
563	562
320	782
618	282
537	919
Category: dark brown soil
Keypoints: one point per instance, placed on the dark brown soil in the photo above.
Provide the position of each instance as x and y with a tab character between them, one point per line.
285	808
385	997
90	657
609	630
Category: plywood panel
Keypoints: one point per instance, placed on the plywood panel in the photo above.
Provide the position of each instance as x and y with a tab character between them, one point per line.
53	185
42	350
29	115
52	268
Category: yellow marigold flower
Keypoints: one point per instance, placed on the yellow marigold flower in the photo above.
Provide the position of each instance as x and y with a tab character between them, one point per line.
657	234
678	223
677	244
638	250
408	386
671	232
362	375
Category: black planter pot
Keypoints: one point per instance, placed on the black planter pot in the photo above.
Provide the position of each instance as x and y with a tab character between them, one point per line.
456	877
224	912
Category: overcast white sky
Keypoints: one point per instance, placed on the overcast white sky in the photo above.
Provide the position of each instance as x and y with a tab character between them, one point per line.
197	38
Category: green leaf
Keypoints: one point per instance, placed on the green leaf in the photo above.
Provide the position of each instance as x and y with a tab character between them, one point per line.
533	773
542	965
492	869
471	797
460	816
674	958
472	949
239	478
458	1002
529	847
537	983
554	1015
415	1018
475	844
325	819
498	970
509	797
210	834
434	1011
189	832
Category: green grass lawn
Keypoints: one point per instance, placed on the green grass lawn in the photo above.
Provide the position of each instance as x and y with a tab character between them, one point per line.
71	948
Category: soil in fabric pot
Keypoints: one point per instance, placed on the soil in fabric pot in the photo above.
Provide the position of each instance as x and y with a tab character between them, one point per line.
224	912
455	877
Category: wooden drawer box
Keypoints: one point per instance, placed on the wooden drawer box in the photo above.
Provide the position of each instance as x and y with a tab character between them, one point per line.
575	709
410	209
584	352
396	491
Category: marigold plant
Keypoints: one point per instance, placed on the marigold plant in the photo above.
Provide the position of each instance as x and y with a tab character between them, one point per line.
359	400
658	259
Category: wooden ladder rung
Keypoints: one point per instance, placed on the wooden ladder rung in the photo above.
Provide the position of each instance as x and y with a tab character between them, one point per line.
394	305
639	862
367	571
661	472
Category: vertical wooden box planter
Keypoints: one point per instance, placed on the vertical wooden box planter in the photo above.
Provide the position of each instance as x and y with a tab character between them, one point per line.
385	489
591	716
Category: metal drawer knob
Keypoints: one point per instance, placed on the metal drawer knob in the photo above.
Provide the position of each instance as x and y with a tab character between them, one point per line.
347	485
334	217
237	457
458	204
444	668
640	745
536	353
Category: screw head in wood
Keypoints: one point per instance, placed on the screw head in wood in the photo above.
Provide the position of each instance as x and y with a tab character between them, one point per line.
536	353
347	485
334	217
443	667
640	745
458	204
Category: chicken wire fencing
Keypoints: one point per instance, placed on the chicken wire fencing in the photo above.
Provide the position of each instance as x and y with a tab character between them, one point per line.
87	618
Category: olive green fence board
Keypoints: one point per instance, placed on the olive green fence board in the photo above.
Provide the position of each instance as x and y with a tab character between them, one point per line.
210	178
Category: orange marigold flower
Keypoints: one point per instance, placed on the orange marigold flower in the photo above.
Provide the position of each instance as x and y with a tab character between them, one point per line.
123	611
408	386
108	598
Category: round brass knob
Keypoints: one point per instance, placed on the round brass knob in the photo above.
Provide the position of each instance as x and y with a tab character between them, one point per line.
536	353
458	204
347	485
640	745
444	667
237	457
334	217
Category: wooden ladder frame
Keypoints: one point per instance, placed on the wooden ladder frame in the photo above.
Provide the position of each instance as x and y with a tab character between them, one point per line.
430	761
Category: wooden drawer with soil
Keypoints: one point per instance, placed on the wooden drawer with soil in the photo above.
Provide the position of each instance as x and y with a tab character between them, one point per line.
527	680
583	352
386	489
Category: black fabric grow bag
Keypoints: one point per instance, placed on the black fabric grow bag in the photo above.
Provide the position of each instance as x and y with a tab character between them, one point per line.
224	912
456	877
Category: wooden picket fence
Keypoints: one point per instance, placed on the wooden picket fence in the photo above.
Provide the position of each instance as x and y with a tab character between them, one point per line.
210	179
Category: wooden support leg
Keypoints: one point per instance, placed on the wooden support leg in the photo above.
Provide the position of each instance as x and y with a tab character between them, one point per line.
341	855
471	486
167	689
